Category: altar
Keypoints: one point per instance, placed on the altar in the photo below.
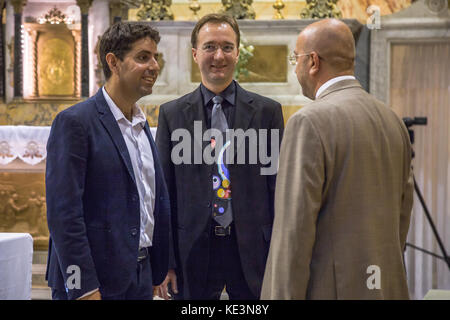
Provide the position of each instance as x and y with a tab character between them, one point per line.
16	254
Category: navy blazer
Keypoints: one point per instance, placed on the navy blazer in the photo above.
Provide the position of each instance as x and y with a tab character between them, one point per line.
93	206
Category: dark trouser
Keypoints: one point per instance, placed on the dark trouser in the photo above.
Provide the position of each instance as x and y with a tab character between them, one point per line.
225	269
140	288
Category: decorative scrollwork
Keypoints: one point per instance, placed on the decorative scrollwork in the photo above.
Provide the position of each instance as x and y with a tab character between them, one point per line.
278	6
155	10
319	9
194	7
239	9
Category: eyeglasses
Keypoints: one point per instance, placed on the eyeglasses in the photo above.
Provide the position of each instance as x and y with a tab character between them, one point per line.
211	48
292	58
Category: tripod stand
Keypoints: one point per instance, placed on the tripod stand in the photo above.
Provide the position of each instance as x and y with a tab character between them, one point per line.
409	122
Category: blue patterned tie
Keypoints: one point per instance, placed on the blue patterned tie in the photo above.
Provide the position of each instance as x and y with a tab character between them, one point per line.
222	212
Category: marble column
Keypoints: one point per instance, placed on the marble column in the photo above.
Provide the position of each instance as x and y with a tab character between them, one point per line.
84	6
18	61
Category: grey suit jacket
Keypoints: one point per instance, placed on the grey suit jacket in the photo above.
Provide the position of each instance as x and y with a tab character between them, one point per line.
343	201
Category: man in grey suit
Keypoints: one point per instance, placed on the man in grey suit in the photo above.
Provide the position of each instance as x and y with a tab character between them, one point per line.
344	190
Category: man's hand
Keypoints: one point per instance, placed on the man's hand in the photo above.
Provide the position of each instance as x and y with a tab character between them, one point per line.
162	290
93	296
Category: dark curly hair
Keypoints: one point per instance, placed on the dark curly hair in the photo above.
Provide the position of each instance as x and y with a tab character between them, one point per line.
119	39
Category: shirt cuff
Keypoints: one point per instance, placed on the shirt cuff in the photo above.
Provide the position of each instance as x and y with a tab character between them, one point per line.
87	293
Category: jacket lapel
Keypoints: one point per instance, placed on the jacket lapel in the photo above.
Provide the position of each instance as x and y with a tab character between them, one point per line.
193	112
244	113
110	124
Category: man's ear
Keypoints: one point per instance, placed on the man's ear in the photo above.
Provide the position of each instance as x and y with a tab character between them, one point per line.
112	61
315	60
194	54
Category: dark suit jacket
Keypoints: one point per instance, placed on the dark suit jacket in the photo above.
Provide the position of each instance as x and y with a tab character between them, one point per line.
190	189
93	203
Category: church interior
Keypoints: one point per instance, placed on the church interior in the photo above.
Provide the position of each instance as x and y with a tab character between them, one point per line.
49	61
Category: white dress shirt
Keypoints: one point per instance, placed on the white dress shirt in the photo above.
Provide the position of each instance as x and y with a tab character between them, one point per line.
331	82
141	157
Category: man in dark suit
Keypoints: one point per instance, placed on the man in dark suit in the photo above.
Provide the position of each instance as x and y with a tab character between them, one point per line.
222	212
108	206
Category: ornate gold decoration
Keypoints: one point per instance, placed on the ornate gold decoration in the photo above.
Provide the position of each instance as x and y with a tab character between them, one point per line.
278	6
55	16
194	7
239	9
56	68
23	207
319	9
54	54
155	10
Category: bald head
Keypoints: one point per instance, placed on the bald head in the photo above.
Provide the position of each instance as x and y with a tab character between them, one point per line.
334	43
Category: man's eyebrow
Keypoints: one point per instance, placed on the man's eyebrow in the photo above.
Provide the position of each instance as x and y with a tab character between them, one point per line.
214	42
147	52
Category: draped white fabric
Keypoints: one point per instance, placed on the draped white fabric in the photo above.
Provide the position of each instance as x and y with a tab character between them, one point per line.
16	256
27	143
24	142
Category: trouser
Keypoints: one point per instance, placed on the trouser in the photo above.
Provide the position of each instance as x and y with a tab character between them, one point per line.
225	269
140	288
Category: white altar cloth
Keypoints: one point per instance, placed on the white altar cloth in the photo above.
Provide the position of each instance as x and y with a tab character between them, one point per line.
27	143
16	257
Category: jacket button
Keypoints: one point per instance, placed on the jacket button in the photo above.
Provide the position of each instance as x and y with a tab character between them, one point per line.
208	204
133	232
134	198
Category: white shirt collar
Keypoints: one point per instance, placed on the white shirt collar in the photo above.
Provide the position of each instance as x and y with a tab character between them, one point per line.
331	82
138	114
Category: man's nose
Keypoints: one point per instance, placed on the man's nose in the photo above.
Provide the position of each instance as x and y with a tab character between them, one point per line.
154	65
219	53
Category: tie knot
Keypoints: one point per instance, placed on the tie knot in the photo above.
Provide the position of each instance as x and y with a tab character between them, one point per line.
217	100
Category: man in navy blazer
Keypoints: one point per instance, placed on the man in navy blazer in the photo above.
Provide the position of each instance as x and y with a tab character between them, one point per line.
107	203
